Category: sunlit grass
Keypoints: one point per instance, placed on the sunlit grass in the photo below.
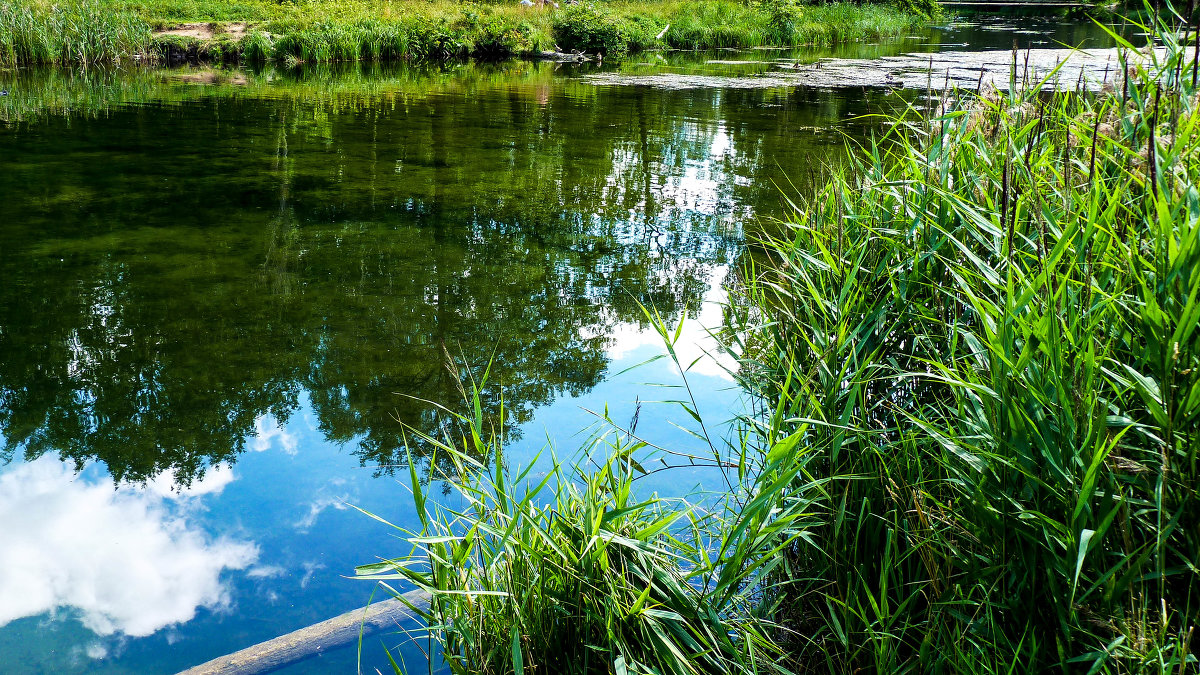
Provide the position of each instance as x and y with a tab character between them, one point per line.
575	570
90	31
986	331
33	32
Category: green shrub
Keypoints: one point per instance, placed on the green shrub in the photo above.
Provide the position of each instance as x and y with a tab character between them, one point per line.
784	16
925	8
488	35
591	28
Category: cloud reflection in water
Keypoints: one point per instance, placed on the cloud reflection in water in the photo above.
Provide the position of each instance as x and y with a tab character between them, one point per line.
124	560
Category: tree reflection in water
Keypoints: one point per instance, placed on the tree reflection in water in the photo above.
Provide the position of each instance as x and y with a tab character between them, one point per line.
179	268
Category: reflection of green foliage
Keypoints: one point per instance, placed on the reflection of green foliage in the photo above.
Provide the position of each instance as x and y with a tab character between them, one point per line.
178	268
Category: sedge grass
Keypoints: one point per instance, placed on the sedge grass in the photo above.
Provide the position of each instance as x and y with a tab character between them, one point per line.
579	573
73	31
986	331
324	31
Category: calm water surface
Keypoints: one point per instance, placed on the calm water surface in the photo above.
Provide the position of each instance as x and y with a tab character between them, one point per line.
225	294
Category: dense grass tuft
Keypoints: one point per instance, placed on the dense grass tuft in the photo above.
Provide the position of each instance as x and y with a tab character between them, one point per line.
987	331
93	31
724	23
73	31
576	573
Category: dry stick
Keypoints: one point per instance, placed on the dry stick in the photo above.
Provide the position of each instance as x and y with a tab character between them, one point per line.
1123	60
1004	202
317	638
1152	156
1195	51
1012	72
1025	74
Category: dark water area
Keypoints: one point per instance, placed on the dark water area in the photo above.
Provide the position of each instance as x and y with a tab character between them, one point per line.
226	294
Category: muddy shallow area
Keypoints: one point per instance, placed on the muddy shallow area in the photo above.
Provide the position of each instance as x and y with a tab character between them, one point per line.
965	52
1044	68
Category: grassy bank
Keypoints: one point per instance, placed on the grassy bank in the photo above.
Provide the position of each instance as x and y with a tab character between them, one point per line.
977	352
989	329
93	31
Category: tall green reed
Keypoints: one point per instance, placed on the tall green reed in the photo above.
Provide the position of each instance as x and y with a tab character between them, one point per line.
574	570
69	32
985	331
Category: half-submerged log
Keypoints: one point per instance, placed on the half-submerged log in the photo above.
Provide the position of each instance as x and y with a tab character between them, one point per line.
315	639
564	57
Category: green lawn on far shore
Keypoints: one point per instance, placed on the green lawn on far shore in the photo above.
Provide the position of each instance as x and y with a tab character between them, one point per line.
90	31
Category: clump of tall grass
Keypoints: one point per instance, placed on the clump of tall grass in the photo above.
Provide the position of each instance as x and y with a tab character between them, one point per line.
71	31
986	332
721	23
482	33
573	571
714	24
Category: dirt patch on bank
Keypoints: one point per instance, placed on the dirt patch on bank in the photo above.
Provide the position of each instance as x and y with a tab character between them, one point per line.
205	31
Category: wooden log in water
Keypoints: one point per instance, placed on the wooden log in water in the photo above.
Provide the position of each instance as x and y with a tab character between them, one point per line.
564	57
320	637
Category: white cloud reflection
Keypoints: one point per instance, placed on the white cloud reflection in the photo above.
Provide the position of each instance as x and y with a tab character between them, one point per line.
121	559
268	433
696	346
215	479
321	502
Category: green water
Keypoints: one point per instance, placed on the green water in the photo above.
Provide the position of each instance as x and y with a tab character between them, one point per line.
226	294
176	269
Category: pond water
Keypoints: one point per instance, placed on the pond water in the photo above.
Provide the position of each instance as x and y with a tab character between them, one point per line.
227	293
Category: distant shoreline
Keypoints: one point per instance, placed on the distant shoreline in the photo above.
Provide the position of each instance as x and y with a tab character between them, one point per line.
84	32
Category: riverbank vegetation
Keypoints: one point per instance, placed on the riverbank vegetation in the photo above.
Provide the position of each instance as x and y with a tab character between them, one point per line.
988	339
319	31
977	356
